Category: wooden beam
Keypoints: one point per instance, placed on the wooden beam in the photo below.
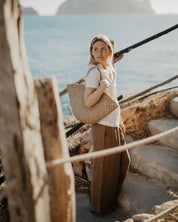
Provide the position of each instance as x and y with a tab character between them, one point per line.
61	178
117	55
149	89
20	136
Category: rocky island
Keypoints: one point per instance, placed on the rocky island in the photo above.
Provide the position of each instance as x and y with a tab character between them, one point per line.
29	11
106	7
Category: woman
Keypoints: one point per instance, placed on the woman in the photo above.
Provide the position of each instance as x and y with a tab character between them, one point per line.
108	172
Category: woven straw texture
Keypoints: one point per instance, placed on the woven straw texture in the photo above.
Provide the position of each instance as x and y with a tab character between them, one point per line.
89	115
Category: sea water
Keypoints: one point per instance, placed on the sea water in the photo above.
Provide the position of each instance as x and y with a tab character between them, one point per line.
59	46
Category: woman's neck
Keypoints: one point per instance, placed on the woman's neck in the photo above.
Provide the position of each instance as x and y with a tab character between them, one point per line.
104	65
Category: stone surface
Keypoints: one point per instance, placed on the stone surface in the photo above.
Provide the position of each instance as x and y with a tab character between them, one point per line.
161	125
140	195
174	106
84	214
157	162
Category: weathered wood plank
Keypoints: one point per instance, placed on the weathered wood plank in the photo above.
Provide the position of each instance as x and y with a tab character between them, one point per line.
61	179
20	136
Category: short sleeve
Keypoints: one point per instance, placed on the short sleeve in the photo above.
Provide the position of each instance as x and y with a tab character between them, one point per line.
93	79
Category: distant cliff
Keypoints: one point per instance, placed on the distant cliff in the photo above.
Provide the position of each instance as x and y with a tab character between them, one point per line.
29	11
106	7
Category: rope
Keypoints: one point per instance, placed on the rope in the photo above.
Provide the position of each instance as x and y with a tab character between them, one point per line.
162	213
9	188
109	151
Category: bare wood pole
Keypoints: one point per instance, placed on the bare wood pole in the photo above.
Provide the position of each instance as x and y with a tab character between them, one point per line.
20	137
149	89
61	178
118	55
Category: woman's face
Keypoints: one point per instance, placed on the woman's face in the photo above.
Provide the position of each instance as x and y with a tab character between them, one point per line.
100	52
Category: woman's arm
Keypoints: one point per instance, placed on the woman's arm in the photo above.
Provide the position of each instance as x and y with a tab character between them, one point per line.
92	95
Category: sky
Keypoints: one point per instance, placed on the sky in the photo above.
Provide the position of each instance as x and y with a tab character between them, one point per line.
49	7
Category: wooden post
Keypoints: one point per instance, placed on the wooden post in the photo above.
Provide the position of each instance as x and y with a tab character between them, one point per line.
61	179
20	136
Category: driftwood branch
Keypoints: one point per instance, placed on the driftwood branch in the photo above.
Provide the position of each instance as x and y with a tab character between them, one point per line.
163	90
149	89
74	129
116	56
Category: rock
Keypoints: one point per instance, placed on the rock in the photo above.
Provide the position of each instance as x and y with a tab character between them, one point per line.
29	11
128	139
174	106
105	7
137	117
89	170
161	125
156	162
84	148
165	206
128	220
141	217
78	168
140	195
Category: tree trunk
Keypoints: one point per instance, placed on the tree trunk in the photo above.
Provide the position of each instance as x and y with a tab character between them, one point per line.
20	137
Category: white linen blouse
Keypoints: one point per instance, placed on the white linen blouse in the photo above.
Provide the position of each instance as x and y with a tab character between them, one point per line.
93	80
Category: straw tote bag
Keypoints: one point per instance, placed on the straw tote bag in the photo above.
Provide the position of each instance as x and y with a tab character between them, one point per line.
92	115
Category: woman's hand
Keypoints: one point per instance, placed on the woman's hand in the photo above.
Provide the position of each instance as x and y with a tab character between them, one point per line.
105	82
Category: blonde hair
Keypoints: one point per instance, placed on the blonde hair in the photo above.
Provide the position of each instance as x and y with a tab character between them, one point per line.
106	40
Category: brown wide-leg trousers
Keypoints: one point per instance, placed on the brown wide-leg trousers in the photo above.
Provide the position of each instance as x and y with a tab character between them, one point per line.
108	172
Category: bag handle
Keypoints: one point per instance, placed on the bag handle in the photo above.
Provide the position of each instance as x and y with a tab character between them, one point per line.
94	68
